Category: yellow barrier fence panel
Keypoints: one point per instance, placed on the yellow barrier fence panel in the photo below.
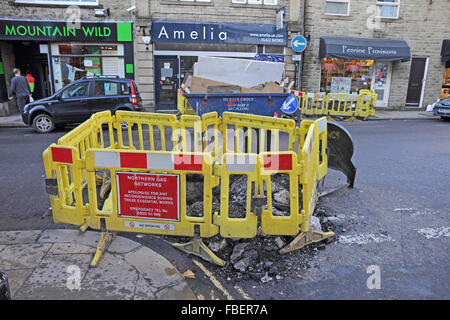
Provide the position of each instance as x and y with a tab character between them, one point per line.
161	128
280	163
310	161
148	191
183	104
237	164
64	184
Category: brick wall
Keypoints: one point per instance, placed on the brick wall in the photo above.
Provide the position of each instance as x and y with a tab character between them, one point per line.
422	25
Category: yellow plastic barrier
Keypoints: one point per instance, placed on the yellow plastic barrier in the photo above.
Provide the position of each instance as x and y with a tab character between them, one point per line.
137	181
183	104
338	105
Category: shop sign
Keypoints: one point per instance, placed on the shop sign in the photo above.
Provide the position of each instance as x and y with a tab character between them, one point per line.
49	30
209	32
148	196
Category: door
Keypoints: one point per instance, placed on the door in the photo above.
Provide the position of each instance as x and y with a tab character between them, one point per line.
72	105
166	82
416	82
381	82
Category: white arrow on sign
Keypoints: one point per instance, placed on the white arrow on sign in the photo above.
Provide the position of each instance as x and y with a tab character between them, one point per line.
297	43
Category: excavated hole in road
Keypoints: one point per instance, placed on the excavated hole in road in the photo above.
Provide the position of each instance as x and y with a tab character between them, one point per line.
257	258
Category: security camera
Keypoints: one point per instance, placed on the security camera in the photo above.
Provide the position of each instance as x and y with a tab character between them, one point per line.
146	40
132	9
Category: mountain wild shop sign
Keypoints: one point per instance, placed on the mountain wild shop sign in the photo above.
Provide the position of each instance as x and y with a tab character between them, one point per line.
210	32
46	30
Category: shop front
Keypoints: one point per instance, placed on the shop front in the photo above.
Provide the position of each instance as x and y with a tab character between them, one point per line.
349	65
57	53
178	44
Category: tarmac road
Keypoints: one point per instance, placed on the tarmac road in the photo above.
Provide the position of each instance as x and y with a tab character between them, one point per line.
394	223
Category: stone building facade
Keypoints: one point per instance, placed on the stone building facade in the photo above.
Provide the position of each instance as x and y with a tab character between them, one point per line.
34	36
423	25
219	13
223	14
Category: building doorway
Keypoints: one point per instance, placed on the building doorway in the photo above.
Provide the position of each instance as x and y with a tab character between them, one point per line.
166	82
28	58
416	85
381	82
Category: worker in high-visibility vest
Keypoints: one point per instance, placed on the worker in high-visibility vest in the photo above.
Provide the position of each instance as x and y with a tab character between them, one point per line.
30	80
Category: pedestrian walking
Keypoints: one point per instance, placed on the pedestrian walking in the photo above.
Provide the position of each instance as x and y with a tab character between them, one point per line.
20	88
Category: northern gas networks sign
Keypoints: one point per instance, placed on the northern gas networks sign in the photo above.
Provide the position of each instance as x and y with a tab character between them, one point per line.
210	32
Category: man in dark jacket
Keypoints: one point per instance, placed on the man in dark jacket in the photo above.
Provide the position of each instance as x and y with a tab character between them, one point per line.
19	86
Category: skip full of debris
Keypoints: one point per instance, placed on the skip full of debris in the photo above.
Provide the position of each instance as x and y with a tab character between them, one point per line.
231	75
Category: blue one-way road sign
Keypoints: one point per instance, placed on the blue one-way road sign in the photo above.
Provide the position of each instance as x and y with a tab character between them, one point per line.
299	43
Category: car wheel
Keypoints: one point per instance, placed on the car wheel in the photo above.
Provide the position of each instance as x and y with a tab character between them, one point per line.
43	123
445	118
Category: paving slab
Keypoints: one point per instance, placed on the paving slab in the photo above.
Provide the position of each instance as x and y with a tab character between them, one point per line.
114	278
144	291
88	238
22	256
159	272
19	237
179	291
71	248
56	277
16	278
122	245
55	264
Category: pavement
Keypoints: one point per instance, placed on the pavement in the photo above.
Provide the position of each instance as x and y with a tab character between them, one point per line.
54	265
15	120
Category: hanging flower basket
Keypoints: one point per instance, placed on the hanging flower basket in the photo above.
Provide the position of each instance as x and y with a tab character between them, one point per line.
329	66
352	68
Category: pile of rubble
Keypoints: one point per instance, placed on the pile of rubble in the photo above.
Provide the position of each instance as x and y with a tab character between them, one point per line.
258	258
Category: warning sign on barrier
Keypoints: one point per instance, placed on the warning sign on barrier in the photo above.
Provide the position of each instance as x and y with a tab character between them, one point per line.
148	196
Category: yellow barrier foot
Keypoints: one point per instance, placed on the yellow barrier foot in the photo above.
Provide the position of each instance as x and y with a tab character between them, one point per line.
304	239
84	227
105	239
352	119
199	249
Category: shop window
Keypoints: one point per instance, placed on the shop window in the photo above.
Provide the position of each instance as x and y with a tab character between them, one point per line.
445	93
337	7
388	8
345	76
72	61
187	65
265	2
61	2
188	0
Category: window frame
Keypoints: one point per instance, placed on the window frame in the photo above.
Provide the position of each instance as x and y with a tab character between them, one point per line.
382	3
91	3
338	14
104	95
246	2
84	82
